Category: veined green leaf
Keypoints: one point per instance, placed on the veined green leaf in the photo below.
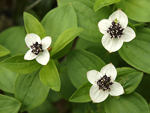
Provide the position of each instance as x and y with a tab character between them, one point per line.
19	65
129	78
58	20
7	79
87	18
132	103
29	90
78	63
137	10
137	52
13	40
9	104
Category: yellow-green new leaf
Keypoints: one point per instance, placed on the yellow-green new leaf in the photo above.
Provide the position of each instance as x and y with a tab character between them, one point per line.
65	38
3	51
32	25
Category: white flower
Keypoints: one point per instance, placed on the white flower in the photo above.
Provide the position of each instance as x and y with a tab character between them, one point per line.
38	48
103	83
115	31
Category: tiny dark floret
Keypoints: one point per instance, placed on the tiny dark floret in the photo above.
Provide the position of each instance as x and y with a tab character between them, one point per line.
104	83
115	30
36	48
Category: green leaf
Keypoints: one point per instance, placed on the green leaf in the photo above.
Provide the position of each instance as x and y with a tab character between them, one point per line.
132	103
58	20
9	104
146	85
107	57
19	65
137	10
7	79
13	40
84	44
87	18
65	38
46	107
137	52
101	3
3	51
129	78
78	108
50	76
82	94
53	96
63	52
32	25
30	91
78	63
66	89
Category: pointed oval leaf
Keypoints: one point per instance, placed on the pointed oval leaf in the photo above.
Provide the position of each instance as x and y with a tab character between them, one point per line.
129	78
79	62
65	38
63	52
3	51
19	65
29	90
49	76
101	3
9	104
87	18
32	25
13	40
137	52
7	79
82	94
58	20
136	9
132	103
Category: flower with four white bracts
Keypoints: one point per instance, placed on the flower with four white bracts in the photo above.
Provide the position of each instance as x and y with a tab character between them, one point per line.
103	83
38	48
115	31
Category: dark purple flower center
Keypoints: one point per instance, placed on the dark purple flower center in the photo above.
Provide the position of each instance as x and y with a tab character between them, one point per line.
104	83
115	30
36	48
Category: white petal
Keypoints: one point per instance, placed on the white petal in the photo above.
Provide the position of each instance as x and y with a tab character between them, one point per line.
116	89
43	57
93	76
120	16
128	34
46	42
103	25
31	38
110	71
29	55
98	95
111	44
